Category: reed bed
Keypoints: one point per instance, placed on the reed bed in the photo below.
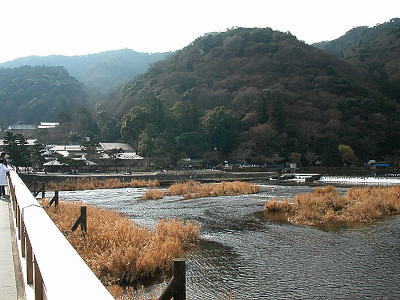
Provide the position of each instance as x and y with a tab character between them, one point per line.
120	251
153	194
193	189
326	204
92	183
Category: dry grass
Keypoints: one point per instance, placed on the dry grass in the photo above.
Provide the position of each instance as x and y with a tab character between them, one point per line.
130	293
120	251
94	183
275	206
153	194
193	189
327	204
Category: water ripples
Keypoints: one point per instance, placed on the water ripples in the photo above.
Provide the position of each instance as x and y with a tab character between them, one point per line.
255	258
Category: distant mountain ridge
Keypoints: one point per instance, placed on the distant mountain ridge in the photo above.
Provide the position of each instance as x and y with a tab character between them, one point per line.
374	49
40	93
101	71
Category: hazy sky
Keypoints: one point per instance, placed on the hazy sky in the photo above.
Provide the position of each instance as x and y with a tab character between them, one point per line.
75	27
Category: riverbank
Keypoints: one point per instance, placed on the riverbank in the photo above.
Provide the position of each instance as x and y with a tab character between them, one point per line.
164	178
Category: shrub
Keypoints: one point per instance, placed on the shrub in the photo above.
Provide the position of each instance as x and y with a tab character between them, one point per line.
274	206
120	251
193	189
326	204
153	194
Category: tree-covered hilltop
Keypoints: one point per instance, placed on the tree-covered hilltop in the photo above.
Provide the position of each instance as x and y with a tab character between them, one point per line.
257	95
33	94
100	71
374	49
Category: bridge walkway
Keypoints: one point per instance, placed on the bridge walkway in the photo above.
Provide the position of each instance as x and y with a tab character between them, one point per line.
11	284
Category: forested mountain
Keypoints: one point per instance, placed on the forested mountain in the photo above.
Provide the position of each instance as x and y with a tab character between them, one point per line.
258	95
373	49
30	95
101	71
34	94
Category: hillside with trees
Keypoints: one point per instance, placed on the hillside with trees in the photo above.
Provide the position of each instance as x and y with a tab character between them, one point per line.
101	71
34	94
376	50
257	96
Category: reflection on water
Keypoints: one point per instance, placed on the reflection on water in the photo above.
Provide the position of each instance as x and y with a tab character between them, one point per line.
258	258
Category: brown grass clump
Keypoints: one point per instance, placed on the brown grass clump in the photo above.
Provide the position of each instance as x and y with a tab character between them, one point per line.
120	251
193	189
153	194
327	204
92	183
274	206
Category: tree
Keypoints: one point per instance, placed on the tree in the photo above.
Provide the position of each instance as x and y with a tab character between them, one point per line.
310	157
221	127
264	137
192	143
155	106
114	154
276	111
273	159
347	154
71	163
17	149
244	152
211	158
270	107
185	117
159	147
37	159
134	122
90	148
108	126
295	157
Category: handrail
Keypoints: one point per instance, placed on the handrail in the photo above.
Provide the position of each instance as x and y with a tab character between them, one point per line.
53	266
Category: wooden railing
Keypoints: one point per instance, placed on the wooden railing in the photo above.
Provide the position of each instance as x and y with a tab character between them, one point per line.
51	267
176	287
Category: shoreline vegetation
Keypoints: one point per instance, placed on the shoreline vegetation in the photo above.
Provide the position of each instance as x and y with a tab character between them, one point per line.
327	204
194	189
119	251
79	184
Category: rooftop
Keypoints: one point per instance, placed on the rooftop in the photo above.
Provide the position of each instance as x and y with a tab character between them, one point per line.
110	146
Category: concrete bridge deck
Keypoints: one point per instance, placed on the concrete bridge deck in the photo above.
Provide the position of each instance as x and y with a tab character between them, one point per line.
11	286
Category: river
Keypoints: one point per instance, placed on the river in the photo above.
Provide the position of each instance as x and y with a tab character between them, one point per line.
253	257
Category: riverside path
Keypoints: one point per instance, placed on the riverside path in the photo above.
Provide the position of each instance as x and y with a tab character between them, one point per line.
10	283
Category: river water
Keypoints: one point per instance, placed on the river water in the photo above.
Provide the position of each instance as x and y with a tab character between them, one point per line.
246	254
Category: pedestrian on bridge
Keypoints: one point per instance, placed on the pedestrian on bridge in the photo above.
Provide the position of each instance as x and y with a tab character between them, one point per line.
3	177
3	157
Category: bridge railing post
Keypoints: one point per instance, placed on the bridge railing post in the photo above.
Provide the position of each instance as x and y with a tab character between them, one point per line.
176	288
38	283
81	221
29	261
54	200
180	279
43	189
